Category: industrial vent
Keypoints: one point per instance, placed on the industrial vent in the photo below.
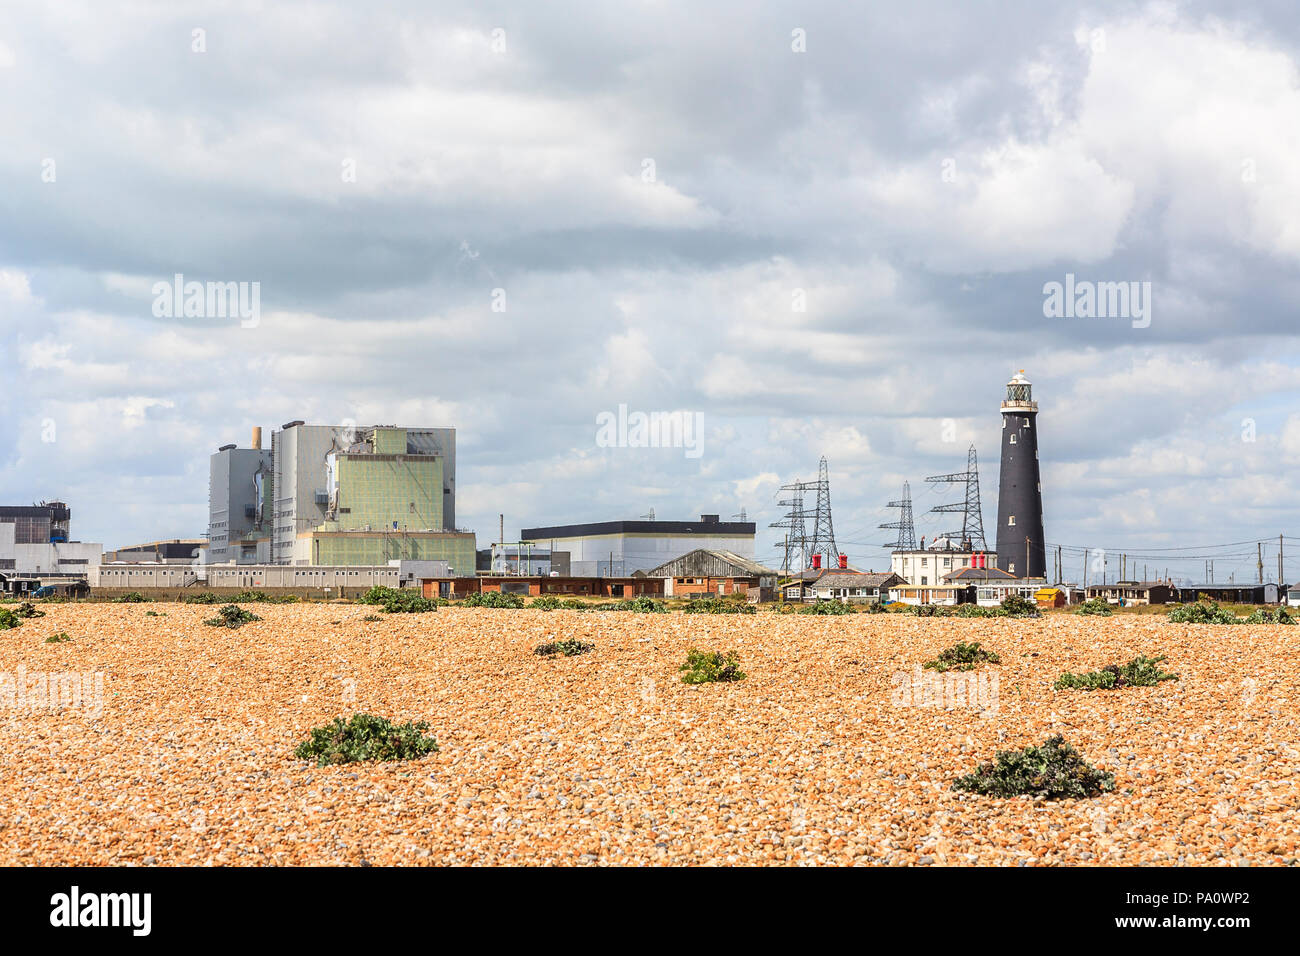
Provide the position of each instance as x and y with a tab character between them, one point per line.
287	425
226	447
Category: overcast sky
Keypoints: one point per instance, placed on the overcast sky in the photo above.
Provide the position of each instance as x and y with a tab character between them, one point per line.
658	187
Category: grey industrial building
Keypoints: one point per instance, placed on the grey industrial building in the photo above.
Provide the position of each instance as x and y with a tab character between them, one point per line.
237	478
260	500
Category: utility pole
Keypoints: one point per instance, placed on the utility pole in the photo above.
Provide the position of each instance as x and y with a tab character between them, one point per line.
1026	557
1280	579
1085	569
1259	559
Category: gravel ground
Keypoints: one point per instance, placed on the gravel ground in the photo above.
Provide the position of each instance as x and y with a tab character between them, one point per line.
818	757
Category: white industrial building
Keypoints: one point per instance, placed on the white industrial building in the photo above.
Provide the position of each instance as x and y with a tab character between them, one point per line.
620	548
35	550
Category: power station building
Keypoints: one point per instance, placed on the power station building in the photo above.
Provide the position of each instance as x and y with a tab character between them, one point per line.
237	506
338	495
613	548
1020	543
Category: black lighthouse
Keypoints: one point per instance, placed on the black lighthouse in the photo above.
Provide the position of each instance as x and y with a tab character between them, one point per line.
1020	492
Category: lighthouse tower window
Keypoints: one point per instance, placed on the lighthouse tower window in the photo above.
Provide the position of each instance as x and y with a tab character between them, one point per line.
1013	440
1011	520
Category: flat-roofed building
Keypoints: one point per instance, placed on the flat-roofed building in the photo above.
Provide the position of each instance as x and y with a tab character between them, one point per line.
630	546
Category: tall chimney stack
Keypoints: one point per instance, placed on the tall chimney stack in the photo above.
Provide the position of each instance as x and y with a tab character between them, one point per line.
257	437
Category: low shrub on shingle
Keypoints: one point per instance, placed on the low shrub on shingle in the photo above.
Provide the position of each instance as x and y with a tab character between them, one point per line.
962	657
707	667
1139	672
1052	771
569	647
132	597
365	737
1203	612
232	616
1094	606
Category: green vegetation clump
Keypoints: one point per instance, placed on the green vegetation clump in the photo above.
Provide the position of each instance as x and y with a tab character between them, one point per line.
9	619
1139	672
707	667
962	657
28	609
203	597
493	599
877	607
261	597
58	638
155	613
1016	606
976	610
549	602
1265	615
372	618
365	737
132	597
1203	612
641	605
930	610
718	606
569	647
400	600
1052	771
827	607
232	615
1094	606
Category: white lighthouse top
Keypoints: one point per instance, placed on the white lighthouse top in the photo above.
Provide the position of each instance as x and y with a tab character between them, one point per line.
1020	395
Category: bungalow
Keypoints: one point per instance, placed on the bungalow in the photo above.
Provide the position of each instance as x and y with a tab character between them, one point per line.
1130	593
947	594
854	587
1231	593
991	586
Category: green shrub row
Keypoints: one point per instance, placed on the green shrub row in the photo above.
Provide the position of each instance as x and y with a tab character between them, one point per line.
1209	612
718	606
